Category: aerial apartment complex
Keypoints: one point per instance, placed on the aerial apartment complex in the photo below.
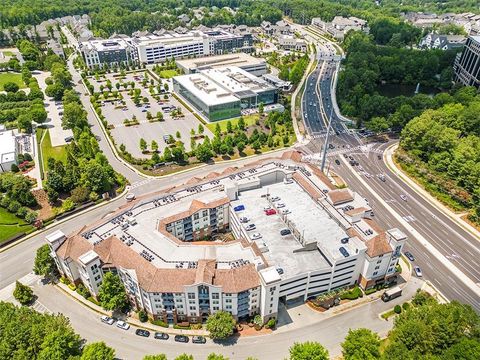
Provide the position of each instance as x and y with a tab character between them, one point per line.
221	93
240	241
467	64
151	48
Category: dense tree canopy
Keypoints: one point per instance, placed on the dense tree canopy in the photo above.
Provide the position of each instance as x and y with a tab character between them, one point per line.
112	292
220	325
309	350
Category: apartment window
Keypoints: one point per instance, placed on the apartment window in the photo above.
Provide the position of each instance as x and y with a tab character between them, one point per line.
191	295
97	278
375	273
192	302
215	308
228	307
215	296
377	267
195	216
271	299
228	300
204	213
192	307
379	261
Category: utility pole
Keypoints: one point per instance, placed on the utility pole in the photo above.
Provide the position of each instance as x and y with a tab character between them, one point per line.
324	156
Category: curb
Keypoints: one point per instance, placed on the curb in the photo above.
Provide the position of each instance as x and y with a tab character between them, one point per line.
412	184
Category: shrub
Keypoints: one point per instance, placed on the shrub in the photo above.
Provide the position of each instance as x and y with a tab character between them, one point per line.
72	287
159	323
370	291
82	290
397	309
14	168
182	327
197	326
271	323
92	299
257	320
353	294
405	306
142	316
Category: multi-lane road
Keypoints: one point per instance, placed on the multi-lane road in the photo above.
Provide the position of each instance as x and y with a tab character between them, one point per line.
446	252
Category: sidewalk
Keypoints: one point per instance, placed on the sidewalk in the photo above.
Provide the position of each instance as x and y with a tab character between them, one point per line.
425	194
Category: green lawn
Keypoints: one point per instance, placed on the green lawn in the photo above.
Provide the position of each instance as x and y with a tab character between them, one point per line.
10	225
7	53
11	77
167	74
57	152
249	120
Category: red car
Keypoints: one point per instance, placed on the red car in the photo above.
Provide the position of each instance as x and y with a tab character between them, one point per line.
271	212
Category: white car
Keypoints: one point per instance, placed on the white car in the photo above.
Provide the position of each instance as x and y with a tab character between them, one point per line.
286	211
130	197
418	271
267	207
123	325
280	205
287	181
244	219
256	236
107	320
250	227
275	198
403	197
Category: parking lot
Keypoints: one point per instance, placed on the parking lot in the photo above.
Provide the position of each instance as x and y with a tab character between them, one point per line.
307	217
115	113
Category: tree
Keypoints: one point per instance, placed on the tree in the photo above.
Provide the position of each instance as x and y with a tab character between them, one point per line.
38	114
200	129
10	87
159	116
361	344
309	350
240	146
241	124
178	135
377	124
112	293
74	116
44	264
23	293
260	108
154	146
24	122
229	126
155	357
14	168
220	325
98	351
143	145
60	345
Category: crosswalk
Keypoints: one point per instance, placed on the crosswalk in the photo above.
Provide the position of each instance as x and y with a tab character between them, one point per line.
37	305
138	184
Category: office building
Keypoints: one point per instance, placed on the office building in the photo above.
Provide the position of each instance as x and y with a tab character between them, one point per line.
244	61
467	64
222	93
187	253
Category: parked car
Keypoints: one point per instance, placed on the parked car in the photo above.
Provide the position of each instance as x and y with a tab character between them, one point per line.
267	207
285	232
141	332
403	197
271	212
239	208
161	336
418	271
69	139
287	181
107	320
337	162
280	205
199	340
181	338
123	325
250	227
285	211
244	219
409	255
275	198
279	271
256	236
130	197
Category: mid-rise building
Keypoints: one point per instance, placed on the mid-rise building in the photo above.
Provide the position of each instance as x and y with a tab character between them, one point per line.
185	254
222	93
290	42
149	48
113	51
340	25
467	64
